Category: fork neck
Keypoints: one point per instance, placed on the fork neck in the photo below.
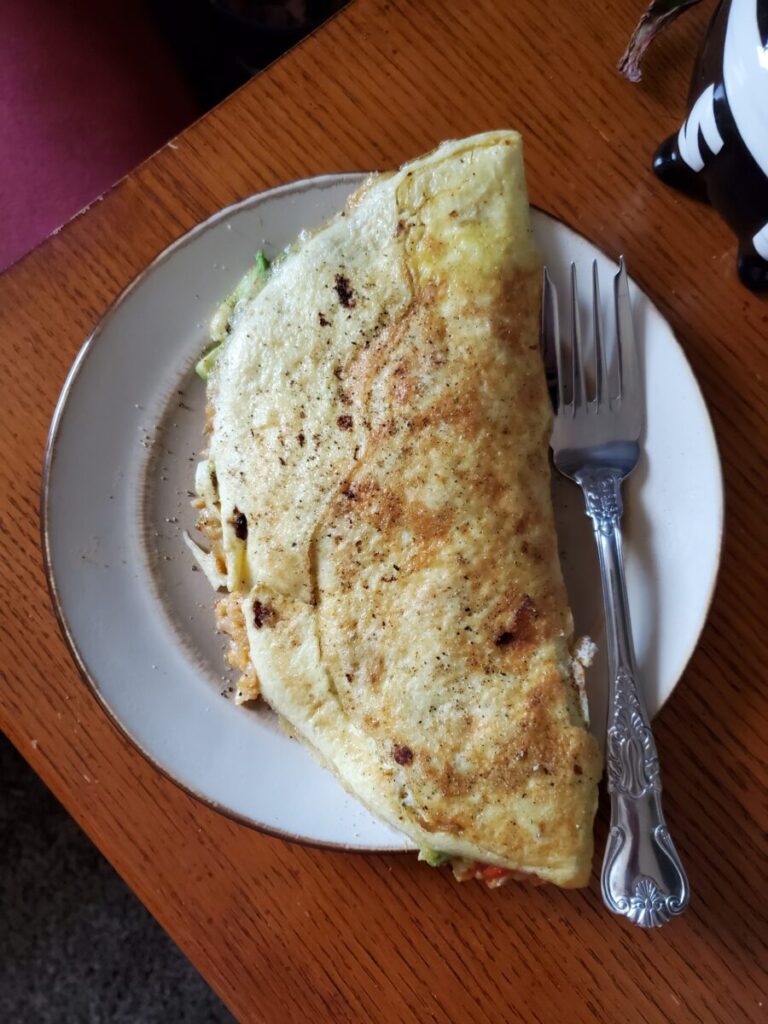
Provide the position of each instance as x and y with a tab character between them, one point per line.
602	494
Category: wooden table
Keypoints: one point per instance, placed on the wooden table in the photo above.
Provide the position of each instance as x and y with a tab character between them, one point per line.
290	934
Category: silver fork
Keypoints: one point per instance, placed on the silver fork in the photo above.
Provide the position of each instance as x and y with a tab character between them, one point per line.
596	442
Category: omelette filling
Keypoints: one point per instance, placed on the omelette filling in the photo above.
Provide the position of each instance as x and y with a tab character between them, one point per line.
376	517
212	559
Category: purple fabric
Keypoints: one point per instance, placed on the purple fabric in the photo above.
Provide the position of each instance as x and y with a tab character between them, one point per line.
87	91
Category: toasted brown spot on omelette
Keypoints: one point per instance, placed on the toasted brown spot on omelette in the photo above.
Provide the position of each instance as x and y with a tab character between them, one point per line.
344	291
240	523
263	615
522	623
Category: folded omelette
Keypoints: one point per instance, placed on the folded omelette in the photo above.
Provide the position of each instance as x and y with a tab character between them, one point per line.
377	501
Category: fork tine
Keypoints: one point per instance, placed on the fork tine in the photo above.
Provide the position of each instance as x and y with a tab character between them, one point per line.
630	385
602	390
550	336
577	363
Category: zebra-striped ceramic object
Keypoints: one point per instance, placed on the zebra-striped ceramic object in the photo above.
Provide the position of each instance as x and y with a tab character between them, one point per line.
721	151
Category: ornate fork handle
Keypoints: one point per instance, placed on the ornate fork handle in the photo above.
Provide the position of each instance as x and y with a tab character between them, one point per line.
642	877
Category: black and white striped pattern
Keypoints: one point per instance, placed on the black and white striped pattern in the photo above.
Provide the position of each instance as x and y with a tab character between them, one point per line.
722	147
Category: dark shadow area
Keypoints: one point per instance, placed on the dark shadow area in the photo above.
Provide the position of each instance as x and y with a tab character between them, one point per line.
75	944
220	44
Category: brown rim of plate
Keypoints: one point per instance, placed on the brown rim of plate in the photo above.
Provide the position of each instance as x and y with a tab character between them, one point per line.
299	186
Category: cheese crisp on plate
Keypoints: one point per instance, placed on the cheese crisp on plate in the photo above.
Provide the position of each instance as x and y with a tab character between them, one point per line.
376	500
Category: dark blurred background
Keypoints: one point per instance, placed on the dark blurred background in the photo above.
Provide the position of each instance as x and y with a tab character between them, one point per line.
90	89
87	91
219	44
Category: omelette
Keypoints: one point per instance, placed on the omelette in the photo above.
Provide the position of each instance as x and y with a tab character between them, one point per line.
376	499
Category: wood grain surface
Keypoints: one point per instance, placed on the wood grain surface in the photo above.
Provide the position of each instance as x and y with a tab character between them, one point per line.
291	934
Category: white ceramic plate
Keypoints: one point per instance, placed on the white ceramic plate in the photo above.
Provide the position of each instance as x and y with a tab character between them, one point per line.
121	461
